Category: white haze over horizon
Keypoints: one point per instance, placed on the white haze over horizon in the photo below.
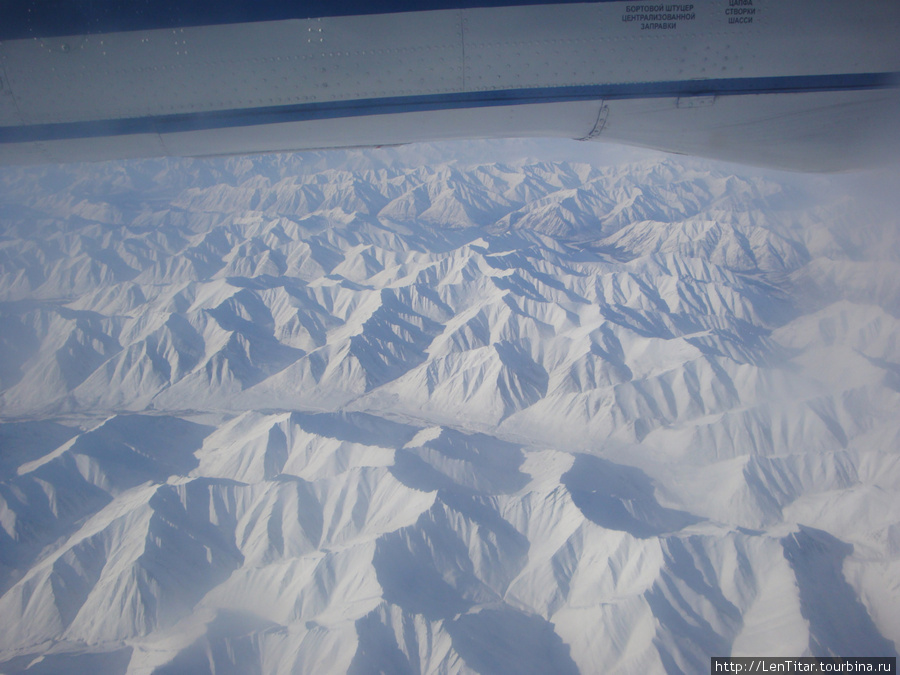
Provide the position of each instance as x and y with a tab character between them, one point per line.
518	406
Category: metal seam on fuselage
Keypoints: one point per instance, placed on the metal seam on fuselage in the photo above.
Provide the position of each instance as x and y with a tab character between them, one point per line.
83	17
245	117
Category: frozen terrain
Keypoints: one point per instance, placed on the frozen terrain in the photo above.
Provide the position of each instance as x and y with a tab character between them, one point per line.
269	416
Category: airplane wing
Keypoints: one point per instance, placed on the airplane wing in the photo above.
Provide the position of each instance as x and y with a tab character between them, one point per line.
804	84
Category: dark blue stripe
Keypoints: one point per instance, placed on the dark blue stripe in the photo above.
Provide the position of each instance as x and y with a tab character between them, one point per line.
53	18
223	119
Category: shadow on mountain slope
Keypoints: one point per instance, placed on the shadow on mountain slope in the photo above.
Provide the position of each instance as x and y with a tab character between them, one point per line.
839	624
621	498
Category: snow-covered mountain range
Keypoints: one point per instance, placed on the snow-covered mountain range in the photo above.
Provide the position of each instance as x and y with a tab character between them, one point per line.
521	417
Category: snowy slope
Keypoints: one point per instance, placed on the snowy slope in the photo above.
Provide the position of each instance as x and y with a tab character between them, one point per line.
270	416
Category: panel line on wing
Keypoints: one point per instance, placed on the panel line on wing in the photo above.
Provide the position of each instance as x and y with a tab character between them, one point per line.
245	117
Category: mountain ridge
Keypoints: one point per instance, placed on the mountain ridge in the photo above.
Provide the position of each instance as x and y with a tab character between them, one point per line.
511	417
